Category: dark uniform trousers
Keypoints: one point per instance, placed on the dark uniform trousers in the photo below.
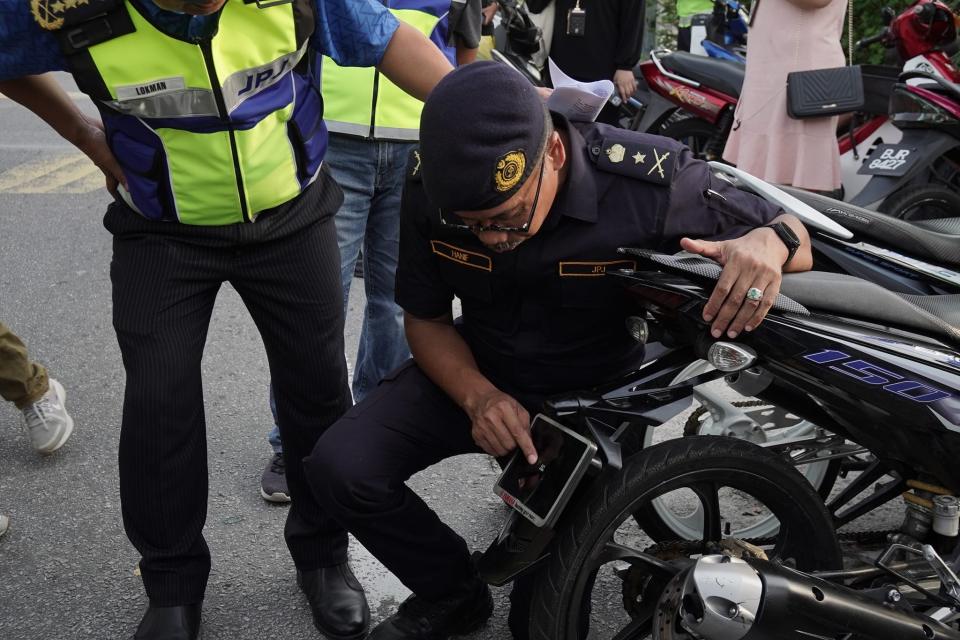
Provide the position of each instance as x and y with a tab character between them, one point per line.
165	276
359	468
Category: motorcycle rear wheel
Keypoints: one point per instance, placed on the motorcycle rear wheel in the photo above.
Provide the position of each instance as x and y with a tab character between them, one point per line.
924	202
693	132
575	582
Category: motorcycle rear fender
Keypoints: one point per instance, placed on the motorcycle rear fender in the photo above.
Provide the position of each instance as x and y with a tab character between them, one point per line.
674	95
605	415
932	144
657	110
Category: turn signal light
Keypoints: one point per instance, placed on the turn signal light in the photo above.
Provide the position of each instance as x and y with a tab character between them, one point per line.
638	329
730	356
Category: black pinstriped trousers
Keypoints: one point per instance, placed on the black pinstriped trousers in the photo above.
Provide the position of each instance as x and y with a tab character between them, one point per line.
165	276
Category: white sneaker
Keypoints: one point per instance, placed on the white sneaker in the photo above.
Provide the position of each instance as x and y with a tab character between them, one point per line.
47	421
4	524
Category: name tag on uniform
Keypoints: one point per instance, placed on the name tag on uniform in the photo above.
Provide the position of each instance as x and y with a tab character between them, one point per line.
462	256
588	269
149	89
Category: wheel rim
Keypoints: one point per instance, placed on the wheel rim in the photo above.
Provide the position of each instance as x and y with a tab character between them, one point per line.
688	525
592	584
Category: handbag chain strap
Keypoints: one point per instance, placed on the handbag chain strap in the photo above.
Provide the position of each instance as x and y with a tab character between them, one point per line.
850	31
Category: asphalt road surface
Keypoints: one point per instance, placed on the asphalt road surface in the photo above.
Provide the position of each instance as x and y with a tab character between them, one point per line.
67	570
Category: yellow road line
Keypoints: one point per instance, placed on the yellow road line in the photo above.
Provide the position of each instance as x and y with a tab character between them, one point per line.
62	173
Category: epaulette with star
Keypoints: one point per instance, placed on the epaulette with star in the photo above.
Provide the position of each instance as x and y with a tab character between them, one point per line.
625	156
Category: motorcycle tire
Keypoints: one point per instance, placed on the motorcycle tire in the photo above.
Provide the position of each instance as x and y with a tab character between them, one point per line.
923	202
563	586
693	132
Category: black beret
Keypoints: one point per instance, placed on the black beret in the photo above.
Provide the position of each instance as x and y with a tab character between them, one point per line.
482	131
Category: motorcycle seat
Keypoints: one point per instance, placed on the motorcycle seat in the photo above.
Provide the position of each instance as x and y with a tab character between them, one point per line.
936	240
949	226
844	295
722	75
839	294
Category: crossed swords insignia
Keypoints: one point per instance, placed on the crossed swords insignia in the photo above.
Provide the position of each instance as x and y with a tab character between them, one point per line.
658	165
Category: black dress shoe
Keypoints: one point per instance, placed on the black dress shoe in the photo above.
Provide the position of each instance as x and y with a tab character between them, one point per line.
419	619
170	623
339	606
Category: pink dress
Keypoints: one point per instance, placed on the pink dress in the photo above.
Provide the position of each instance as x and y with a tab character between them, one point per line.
765	141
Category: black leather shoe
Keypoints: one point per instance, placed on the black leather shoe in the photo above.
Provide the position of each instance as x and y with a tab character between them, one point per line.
339	606
418	619
170	623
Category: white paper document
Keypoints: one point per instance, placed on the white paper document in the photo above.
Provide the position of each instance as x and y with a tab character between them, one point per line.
578	101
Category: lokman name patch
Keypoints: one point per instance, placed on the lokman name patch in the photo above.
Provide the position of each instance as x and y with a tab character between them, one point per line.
150	89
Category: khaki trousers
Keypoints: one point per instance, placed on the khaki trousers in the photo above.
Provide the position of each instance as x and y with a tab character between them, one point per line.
22	381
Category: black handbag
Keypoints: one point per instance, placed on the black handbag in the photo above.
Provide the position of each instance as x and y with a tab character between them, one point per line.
824	92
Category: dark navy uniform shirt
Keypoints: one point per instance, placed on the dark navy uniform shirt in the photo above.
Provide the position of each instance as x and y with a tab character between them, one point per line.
543	318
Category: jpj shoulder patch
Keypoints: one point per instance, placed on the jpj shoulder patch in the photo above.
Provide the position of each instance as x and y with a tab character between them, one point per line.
624	157
413	166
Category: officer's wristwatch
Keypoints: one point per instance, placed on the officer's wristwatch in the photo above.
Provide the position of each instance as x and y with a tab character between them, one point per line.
788	237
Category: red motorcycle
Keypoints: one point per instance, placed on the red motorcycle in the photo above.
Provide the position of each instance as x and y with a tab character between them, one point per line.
899	156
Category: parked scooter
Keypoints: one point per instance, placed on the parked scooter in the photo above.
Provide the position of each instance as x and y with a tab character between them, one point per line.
722	33
517	40
917	258
906	149
881	370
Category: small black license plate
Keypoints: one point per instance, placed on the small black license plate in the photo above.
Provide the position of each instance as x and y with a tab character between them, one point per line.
891	160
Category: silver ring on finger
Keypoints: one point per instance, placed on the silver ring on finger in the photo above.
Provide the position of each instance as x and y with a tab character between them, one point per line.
754	294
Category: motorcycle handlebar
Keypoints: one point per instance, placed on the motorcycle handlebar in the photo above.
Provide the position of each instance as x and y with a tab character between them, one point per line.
878	37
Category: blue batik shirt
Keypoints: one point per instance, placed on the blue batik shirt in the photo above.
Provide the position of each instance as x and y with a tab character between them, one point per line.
355	33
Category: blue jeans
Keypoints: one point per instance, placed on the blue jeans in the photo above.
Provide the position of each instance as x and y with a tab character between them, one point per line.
371	174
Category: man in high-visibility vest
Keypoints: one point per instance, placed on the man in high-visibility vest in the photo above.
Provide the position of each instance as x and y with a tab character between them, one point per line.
689	11
212	124
374	127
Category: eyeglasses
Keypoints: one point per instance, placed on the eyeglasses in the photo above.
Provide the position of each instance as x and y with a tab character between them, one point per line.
453	221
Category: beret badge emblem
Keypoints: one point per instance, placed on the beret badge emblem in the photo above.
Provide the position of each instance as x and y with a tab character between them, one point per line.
509	171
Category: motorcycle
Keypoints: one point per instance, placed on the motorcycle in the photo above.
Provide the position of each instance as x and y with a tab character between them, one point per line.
721	34
517	40
903	257
920	258
879	369
901	152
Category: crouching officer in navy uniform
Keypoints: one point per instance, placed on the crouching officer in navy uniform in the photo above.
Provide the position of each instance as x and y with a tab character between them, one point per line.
516	215
212	120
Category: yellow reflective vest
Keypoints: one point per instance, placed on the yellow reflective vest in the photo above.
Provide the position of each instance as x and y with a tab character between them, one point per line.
217	131
363	102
